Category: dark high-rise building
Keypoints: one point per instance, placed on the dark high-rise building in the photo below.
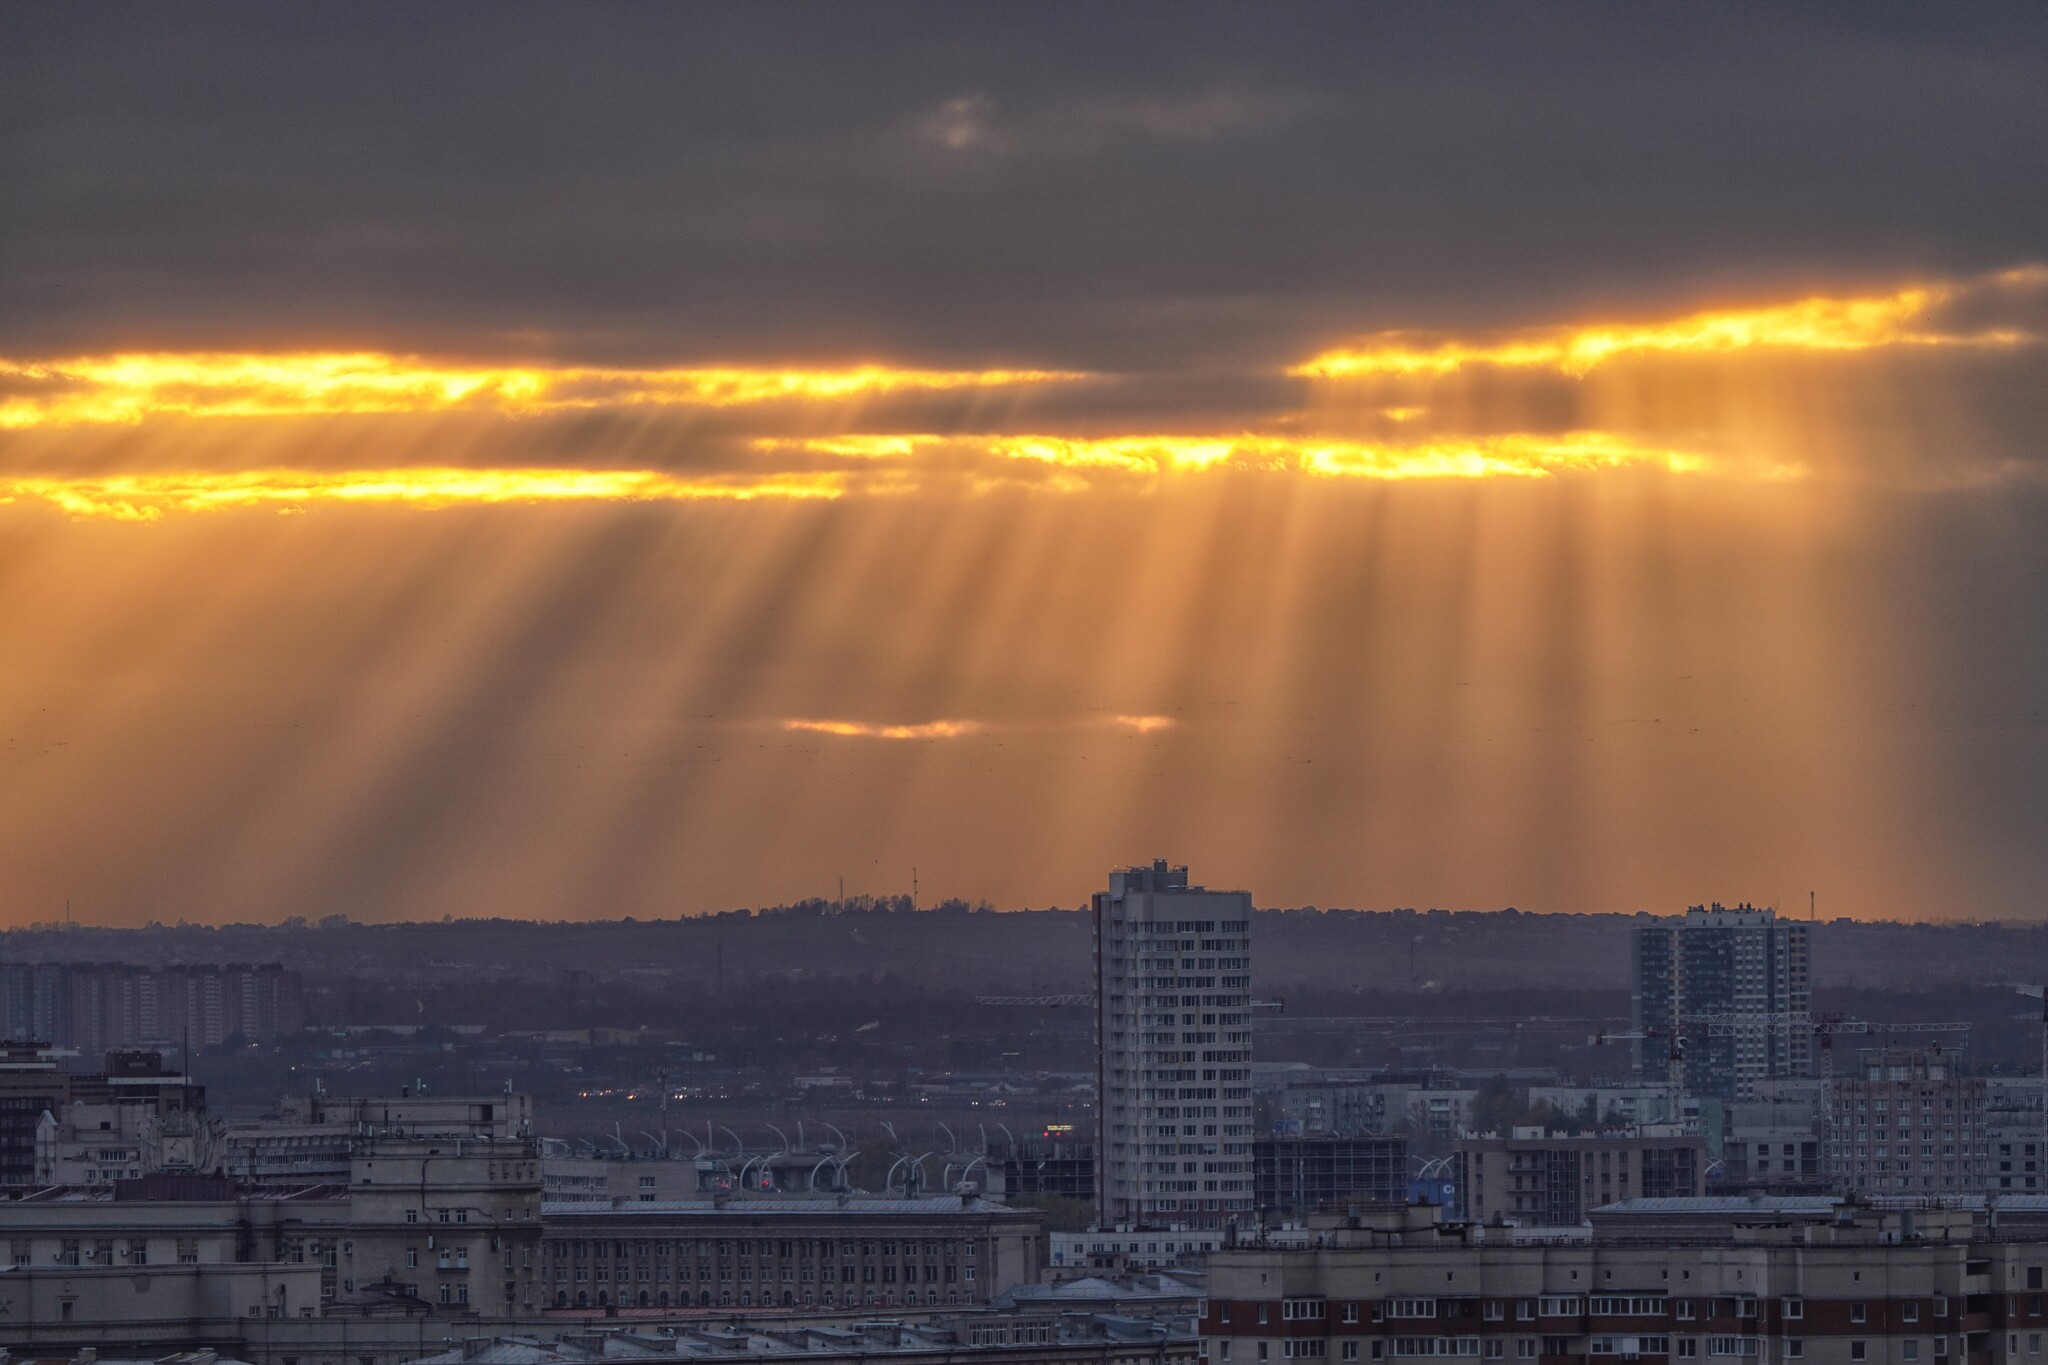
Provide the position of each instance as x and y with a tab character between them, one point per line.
1733	985
94	1006
35	1001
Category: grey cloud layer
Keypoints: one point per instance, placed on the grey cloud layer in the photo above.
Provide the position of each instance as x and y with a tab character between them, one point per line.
1104	186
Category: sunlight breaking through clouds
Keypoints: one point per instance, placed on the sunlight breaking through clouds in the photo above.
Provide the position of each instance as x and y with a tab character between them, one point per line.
83	390
1820	324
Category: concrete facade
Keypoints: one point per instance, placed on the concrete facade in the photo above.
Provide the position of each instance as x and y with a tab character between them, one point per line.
1173	1031
787	1253
1849	1287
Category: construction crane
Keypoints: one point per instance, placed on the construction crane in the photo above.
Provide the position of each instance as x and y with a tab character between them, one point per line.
1674	1062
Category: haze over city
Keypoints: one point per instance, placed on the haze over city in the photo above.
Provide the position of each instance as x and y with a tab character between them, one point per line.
824	682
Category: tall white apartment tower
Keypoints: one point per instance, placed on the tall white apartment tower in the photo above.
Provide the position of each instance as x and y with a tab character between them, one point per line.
1173	1052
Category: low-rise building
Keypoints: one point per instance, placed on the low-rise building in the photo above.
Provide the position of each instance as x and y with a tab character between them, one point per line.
742	1252
1025	1339
1772	1146
1677	1280
1536	1178
56	1307
1297	1174
1112	1250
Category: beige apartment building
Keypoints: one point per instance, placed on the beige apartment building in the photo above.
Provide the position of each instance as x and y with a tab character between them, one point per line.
1906	1123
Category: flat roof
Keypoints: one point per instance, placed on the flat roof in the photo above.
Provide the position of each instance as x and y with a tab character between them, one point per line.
941	1206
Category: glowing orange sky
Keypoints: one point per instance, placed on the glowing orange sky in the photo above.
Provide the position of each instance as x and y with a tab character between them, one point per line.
1402	631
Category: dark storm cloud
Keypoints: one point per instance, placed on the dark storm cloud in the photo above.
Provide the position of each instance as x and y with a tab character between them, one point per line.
1119	187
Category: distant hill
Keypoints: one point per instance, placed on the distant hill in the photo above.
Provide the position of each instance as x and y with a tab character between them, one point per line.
977	950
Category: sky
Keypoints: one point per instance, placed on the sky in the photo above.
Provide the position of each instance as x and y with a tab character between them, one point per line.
576	462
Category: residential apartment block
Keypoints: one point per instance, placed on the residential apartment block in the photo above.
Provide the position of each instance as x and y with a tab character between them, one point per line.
1662	1281
1174	1049
1734	986
1905	1122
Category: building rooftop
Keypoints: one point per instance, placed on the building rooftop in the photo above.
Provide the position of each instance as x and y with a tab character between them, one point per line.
880	1336
743	1207
1804	1205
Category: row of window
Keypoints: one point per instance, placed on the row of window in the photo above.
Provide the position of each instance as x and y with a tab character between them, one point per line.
602	1298
867	1275
1609	1305
1528	1348
780	1248
78	1251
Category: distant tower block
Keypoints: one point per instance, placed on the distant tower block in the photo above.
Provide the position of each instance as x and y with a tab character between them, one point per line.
1743	966
1173	1052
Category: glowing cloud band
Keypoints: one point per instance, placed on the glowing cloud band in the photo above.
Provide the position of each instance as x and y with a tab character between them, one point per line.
1822	324
947	729
147	497
1512	455
880	466
130	388
850	729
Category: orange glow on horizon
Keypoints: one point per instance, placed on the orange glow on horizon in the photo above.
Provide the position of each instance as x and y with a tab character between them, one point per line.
129	388
1818	324
850	729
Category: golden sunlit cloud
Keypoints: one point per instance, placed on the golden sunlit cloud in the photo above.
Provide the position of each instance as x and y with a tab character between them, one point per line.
1146	725
1512	455
892	465
130	388
1818	324
851	729
147	497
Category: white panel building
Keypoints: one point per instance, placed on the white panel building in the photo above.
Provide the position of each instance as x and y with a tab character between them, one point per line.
1173	1030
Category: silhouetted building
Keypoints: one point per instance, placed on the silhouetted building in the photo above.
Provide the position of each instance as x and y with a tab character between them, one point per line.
94	1006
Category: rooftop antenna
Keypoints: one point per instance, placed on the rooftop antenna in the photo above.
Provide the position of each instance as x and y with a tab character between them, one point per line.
1810	901
913	888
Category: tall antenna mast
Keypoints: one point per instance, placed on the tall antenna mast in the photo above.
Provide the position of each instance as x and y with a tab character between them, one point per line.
1810	899
913	888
